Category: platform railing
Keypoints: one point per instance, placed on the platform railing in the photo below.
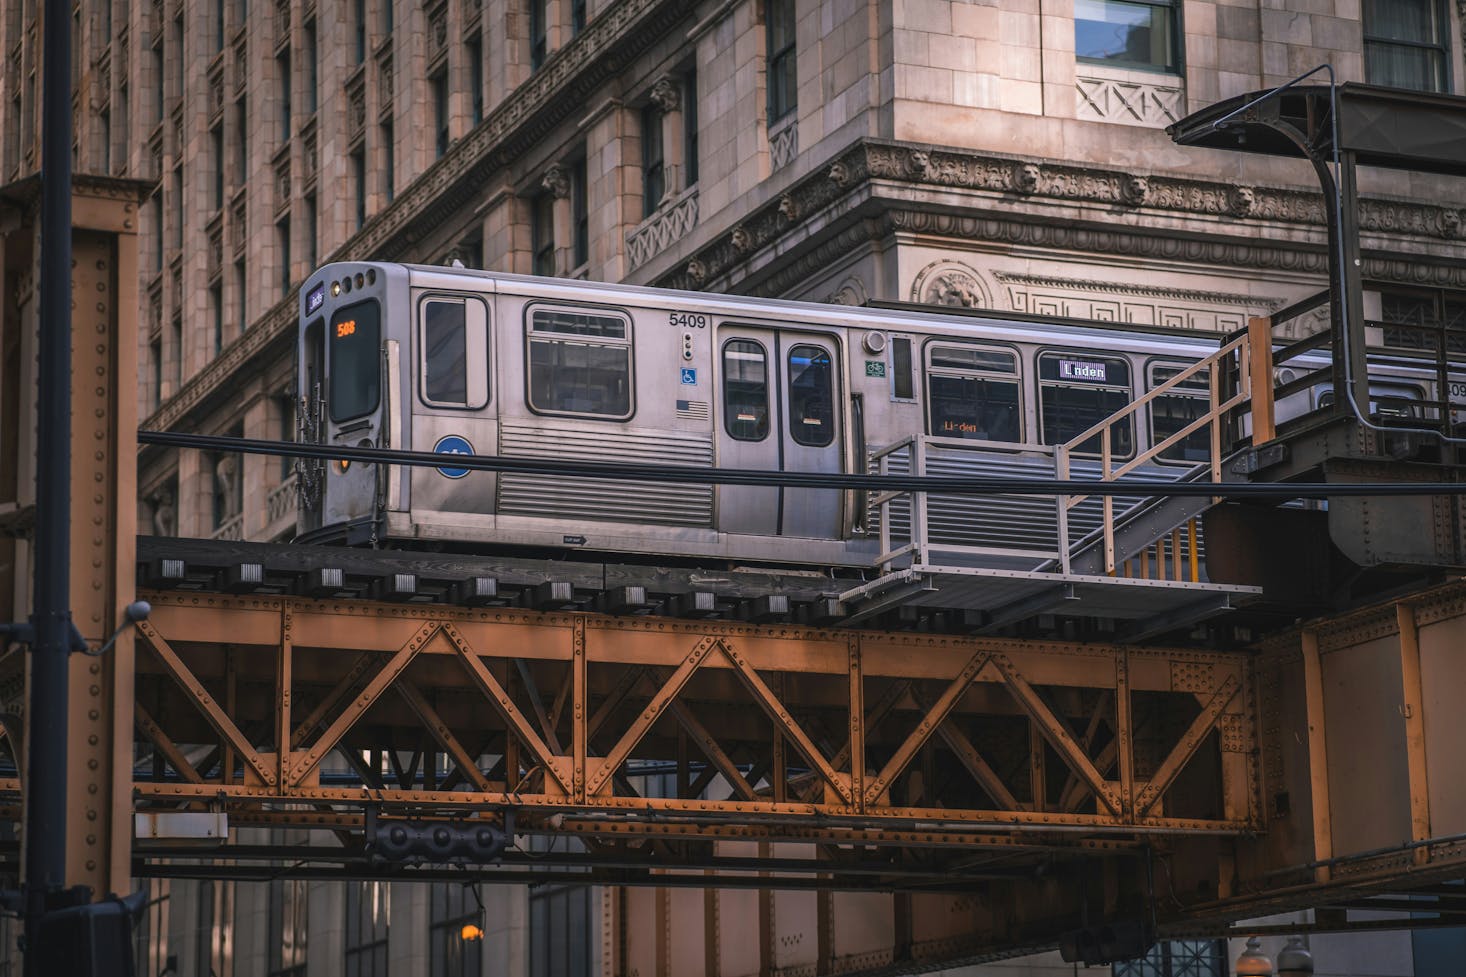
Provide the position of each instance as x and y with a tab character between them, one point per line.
912	448
1235	356
917	450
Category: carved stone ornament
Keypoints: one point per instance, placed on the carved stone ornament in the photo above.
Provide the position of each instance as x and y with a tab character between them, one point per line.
164	513
741	239
1451	223
556	181
666	94
949	283
839	174
697	271
1135	189
1026	177
920	163
1240	201
225	471
789	208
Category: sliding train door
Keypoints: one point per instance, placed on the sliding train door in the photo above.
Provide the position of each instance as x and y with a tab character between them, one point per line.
779	410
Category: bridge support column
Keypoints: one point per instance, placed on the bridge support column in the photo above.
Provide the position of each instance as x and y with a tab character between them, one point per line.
103	513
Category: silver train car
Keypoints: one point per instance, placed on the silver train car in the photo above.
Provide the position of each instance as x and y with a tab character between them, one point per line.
456	361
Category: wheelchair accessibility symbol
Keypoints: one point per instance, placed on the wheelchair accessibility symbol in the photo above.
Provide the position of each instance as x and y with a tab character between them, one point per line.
453	445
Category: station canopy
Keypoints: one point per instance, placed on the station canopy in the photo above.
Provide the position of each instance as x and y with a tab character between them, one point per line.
1387	127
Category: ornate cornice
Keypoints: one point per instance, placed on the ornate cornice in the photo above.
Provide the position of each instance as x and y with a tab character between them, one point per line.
1002	211
1151	291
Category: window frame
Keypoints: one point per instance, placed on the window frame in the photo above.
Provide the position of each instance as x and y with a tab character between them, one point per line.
832	432
653	159
471	401
1017	377
1176	45
628	343
1442	46
775	61
1040	384
723	382
1151	382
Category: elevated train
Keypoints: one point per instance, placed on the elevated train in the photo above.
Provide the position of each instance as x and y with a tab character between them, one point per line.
454	360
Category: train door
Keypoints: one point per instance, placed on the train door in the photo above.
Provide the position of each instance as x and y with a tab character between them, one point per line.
780	410
450	411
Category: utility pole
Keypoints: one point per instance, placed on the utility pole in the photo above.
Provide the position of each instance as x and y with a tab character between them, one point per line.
45	788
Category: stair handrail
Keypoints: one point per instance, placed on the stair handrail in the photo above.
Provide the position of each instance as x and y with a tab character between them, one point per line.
914	447
1218	409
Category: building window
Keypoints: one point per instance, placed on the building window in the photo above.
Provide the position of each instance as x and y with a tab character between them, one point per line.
389	164
538	33
653	175
1405	44
311	231
241	144
155	366
368	907
475	54
542	234
1128	33
451	909
779	17
216	314
218	22
359	23
216	143
312	68
215	915
577	17
282	240
283	67
242	320
580	212
359	184
286	941
158	230
1178	958
387	13
439	83
689	127
150	932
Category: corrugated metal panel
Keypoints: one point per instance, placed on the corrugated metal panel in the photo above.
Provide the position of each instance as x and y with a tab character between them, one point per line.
602	500
1010	522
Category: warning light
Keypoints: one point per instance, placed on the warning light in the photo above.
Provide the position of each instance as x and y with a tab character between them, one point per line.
342	464
470	933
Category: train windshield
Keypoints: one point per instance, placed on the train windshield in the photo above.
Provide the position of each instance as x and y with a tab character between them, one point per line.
355	384
1076	391
973	393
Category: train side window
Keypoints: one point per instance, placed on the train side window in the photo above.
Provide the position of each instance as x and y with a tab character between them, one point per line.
354	364
902	387
454	353
1173	410
972	393
811	396
579	363
1075	392
745	390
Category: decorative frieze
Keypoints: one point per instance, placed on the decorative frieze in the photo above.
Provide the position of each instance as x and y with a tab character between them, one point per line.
384	84
356	108
241	61
663	229
1128	102
216	89
282	182
437	33
783	143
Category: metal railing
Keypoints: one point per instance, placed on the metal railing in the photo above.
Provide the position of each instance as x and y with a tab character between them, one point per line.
1235	357
916	452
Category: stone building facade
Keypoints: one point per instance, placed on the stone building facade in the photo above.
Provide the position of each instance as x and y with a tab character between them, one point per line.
1002	154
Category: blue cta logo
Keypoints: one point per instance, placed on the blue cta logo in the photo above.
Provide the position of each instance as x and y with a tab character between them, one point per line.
453	445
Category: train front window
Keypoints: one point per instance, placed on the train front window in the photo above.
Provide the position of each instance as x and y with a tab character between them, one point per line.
811	397
745	390
972	393
454	344
356	376
1173	410
1076	391
579	363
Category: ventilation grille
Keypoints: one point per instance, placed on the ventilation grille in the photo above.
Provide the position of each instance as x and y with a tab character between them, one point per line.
605	500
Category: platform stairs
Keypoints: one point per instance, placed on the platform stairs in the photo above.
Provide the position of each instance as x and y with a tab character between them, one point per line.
1141	559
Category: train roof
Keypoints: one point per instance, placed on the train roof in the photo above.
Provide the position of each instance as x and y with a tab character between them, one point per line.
876	315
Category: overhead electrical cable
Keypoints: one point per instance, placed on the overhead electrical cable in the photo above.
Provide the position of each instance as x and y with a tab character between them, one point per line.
940	485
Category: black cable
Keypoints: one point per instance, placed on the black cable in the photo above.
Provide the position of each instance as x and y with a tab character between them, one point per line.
834	480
